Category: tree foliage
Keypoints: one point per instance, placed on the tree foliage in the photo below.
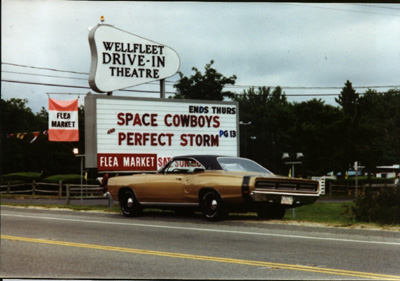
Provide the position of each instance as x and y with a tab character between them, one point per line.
383	207
365	128
379	131
271	124
207	86
19	155
316	134
348	100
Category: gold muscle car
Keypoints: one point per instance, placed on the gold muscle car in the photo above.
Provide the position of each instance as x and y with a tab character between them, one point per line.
214	184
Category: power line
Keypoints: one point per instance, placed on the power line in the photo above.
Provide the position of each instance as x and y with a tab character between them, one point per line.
45	68
229	86
314	87
73	86
380	7
339	9
43	75
148	91
53	69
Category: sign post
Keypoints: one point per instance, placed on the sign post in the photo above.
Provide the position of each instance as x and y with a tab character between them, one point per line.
162	89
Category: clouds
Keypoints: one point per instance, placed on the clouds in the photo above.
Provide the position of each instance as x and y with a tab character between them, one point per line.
271	44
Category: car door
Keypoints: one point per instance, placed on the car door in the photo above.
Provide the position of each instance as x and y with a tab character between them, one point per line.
167	187
180	174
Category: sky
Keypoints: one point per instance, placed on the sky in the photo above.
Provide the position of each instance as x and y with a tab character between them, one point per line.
308	49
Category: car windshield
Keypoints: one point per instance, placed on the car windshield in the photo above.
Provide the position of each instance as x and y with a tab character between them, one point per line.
241	165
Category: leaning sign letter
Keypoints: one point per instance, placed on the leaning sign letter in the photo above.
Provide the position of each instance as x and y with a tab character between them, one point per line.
63	120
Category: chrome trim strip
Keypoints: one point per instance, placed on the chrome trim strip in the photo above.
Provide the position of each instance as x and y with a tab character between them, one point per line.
169	204
283	193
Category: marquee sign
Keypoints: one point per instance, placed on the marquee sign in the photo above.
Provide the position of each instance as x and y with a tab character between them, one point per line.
132	134
121	59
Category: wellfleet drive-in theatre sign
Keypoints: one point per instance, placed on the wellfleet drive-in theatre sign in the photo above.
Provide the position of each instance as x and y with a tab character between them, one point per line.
121	59
142	134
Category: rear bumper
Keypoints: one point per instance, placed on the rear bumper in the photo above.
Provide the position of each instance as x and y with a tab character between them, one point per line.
288	199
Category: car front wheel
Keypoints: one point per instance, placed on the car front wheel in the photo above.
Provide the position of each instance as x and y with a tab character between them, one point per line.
212	206
129	205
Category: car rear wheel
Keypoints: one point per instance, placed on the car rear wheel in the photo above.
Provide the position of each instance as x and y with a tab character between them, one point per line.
129	205
264	213
212	206
275	212
278	212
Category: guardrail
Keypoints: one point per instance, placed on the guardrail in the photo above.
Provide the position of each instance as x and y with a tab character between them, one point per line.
69	191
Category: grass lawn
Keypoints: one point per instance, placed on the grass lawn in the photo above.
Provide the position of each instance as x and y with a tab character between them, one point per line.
326	212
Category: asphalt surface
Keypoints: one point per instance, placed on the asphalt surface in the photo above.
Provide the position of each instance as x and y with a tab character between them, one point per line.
58	243
88	201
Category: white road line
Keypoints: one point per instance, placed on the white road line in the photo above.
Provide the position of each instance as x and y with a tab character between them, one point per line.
204	229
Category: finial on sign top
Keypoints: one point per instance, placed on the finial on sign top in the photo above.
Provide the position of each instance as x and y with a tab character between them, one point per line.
102	19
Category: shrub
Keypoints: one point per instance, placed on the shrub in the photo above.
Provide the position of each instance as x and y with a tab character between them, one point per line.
26	177
383	207
69	178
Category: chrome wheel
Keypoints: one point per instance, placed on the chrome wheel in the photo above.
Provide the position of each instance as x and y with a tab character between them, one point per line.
129	205
129	202
212	206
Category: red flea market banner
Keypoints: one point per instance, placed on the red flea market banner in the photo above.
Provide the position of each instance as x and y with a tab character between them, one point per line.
63	120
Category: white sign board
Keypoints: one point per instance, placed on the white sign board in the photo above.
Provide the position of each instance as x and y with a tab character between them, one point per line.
131	134
121	60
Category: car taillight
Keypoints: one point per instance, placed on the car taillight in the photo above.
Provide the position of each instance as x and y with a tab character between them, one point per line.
245	188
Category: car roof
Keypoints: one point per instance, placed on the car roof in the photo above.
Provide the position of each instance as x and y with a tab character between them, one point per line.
209	162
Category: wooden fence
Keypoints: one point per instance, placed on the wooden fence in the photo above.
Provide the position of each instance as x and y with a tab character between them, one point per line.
60	190
347	190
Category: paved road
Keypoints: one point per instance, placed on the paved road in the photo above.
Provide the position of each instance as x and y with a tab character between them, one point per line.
89	202
40	243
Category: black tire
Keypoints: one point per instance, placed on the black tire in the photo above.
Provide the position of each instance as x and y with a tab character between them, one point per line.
129	205
212	206
278	212
264	213
274	212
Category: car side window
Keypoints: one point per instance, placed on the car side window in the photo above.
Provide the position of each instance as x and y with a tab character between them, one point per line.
184	167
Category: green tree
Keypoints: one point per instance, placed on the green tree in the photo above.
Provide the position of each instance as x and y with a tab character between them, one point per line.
348	99
271	123
347	139
207	86
315	135
19	155
16	118
379	134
